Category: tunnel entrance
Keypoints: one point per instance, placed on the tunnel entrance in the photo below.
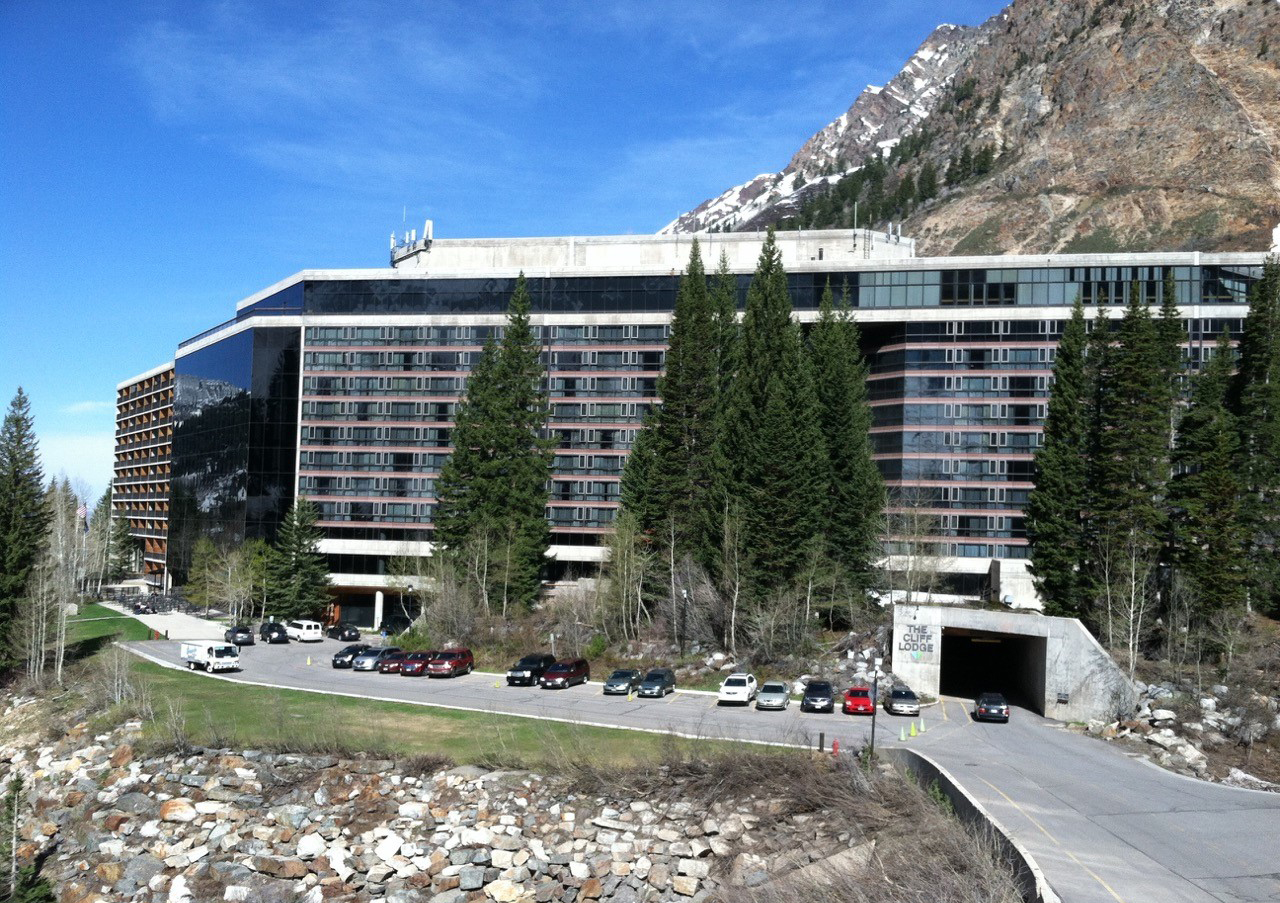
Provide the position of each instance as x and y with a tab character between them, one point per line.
978	661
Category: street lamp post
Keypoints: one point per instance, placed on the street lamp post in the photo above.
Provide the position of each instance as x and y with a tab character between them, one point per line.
684	617
875	705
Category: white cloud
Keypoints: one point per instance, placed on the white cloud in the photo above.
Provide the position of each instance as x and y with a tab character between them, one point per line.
86	459
87	407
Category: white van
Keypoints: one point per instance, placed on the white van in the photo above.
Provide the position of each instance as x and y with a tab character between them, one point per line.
305	631
211	656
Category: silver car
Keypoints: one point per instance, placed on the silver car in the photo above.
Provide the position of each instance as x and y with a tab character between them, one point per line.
370	658
773	695
902	701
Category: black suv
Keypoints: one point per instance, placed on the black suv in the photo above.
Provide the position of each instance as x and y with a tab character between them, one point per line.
240	635
529	670
273	632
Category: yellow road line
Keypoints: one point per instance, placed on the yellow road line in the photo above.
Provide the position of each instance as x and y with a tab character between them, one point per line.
1090	872
1094	875
942	704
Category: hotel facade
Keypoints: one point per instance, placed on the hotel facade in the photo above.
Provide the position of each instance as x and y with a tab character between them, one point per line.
342	385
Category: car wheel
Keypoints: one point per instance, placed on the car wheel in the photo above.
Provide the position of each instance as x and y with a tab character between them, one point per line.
191	666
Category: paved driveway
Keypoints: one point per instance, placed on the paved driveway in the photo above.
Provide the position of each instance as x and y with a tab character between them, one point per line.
1103	826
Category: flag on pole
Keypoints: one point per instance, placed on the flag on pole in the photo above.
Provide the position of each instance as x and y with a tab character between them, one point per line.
83	513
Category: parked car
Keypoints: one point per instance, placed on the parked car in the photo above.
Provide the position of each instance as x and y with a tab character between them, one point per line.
774	694
305	631
858	701
273	632
566	673
415	663
240	635
738	687
658	682
902	701
345	632
391	664
990	707
343	657
451	663
623	682
819	696
369	659
529	670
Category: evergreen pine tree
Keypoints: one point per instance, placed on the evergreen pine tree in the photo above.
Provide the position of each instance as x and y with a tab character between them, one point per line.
493	488
468	503
1256	400
854	501
927	183
122	554
1205	493
24	517
299	573
528	466
681	475
1056	507
1133	463
771	444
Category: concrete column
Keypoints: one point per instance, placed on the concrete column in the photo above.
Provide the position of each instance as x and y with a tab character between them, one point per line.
377	608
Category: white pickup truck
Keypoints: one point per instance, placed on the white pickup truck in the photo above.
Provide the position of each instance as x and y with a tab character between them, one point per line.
211	656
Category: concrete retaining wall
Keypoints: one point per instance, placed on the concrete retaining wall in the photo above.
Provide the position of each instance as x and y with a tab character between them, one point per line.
1035	888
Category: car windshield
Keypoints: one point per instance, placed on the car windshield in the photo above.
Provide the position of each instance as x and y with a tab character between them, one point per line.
774	688
903	694
857	691
622	675
991	699
532	661
736	682
224	652
818	688
655	676
560	667
450	656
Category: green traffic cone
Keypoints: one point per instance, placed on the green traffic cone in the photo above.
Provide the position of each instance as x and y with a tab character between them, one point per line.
902	735
922	727
913	728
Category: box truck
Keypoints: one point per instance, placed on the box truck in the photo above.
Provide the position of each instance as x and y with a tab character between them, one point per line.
211	656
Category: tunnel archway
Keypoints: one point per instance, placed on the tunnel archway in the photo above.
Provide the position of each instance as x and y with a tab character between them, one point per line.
978	661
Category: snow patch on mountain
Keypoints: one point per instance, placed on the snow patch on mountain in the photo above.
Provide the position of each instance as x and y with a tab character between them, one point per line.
878	119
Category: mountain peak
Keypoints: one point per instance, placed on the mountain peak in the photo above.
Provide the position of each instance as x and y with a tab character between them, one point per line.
1097	125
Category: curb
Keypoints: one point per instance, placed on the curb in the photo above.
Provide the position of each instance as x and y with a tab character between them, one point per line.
1035	887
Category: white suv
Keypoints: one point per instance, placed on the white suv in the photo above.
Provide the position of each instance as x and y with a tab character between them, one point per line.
739	688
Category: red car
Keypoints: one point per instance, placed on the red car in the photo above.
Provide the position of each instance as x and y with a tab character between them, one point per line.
451	663
566	673
857	701
391	664
415	663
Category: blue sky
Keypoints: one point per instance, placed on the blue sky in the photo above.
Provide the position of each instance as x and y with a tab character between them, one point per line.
159	161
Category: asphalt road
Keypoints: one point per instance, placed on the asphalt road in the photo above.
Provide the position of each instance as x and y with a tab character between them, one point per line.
1102	825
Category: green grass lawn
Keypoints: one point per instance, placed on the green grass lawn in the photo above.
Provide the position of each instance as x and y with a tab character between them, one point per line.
223	714
97	621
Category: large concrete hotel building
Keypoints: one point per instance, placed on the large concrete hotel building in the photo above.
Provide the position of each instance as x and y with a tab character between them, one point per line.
341	386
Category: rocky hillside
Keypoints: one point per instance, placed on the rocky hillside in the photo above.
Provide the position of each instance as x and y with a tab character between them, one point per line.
1107	124
112	818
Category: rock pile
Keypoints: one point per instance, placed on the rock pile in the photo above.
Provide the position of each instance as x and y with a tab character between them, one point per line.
1179	737
250	825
